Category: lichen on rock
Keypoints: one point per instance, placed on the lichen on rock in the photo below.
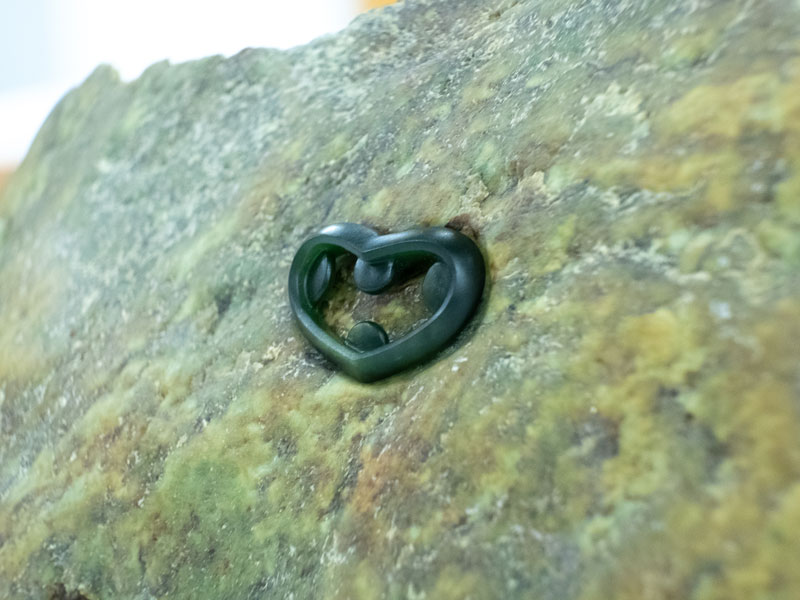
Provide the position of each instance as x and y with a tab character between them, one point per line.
622	418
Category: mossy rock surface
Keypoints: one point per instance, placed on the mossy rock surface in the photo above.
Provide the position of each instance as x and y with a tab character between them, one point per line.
622	418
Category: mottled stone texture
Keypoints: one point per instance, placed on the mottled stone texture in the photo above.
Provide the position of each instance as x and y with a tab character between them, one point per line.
621	421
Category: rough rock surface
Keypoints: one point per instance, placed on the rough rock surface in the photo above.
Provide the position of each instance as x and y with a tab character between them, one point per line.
621	420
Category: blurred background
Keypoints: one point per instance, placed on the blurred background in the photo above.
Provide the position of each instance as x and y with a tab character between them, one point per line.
50	46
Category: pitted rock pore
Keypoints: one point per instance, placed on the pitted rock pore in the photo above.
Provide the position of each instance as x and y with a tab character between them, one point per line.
621	420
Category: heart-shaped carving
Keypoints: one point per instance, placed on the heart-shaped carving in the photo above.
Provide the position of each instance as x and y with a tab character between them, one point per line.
451	289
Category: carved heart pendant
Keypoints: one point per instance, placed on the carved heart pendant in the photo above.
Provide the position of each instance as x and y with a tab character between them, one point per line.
451	290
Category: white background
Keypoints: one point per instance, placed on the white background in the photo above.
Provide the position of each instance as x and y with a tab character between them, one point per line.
50	46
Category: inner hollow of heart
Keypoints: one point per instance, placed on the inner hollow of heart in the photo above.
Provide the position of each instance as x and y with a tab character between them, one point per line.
399	309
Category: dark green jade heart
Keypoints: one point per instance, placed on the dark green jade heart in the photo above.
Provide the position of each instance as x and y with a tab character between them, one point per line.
451	290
